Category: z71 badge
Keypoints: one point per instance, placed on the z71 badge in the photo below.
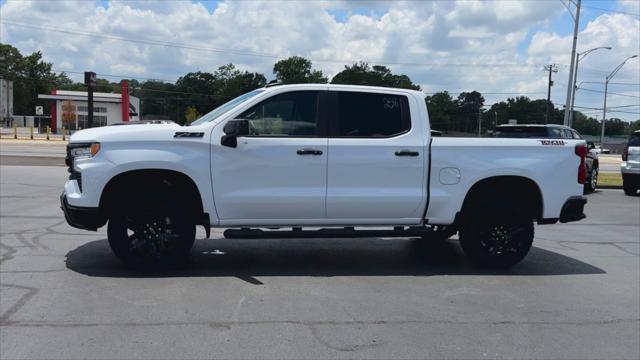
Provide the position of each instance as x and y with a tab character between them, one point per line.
553	142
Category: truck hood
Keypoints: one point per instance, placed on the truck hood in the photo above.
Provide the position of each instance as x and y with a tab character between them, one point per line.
132	132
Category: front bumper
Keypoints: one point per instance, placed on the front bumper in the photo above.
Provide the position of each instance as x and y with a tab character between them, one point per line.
627	168
87	218
573	209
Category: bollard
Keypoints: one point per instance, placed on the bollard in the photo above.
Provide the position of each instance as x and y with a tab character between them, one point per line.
15	131
48	130
64	138
31	132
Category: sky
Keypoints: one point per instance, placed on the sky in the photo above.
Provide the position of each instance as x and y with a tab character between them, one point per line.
497	47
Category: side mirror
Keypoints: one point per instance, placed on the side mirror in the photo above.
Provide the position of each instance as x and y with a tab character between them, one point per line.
234	129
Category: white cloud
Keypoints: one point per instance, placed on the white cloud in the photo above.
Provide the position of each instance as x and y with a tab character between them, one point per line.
408	32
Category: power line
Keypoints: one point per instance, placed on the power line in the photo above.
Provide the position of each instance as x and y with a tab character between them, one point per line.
610	11
250	53
609	93
611	83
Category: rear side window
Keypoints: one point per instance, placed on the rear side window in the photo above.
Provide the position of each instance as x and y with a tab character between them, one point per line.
371	115
634	140
520	132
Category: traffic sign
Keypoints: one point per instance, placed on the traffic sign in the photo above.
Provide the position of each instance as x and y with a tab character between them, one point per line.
39	110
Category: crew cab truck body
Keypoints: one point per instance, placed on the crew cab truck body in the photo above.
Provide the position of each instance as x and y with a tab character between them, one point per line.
318	156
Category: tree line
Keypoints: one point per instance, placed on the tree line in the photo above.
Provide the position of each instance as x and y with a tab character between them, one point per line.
197	93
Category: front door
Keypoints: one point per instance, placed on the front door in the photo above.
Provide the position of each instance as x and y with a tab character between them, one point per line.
277	175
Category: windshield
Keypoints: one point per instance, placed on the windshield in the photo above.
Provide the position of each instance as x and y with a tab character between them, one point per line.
215	113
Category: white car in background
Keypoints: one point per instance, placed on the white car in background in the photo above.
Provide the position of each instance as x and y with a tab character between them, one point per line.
630	166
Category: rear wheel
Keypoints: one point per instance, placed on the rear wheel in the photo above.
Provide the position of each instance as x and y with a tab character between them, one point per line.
153	232
498	235
591	185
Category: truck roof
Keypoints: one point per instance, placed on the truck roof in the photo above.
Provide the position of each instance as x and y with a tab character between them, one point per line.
340	87
534	125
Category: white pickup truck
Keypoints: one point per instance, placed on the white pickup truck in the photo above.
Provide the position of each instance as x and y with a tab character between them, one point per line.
318	156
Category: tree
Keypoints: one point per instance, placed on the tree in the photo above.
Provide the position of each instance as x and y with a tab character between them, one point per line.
362	74
441	108
469	108
30	75
191	114
230	82
297	70
615	126
585	125
205	91
68	114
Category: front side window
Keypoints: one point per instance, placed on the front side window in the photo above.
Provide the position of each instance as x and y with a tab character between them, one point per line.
289	114
568	134
372	115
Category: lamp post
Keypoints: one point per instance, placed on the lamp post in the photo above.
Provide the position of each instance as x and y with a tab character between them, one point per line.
576	23
606	86
579	57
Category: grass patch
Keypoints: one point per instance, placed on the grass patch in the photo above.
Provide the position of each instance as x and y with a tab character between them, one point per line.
610	179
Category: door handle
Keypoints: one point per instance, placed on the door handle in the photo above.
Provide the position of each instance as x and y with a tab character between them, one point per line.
309	152
407	153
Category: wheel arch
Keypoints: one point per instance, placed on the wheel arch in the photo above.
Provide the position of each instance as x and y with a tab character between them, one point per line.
125	185
519	188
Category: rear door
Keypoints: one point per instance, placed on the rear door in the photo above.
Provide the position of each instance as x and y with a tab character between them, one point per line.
376	159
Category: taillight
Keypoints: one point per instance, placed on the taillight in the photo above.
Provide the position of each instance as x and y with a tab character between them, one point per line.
625	154
581	150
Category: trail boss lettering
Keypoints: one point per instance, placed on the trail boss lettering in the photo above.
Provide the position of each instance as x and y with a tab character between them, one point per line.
553	142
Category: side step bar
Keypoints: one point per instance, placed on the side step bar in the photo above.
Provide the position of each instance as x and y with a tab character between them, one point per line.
348	232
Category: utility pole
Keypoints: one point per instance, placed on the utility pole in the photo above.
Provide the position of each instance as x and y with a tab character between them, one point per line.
479	121
496	123
576	24
552	68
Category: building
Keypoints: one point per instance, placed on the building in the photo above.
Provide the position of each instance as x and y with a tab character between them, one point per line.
69	109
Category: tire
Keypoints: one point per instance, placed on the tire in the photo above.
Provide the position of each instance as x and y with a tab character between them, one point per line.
590	186
152	233
629	188
497	235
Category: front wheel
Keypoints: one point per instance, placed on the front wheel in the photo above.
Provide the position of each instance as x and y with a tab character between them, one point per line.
496	236
151	234
629	188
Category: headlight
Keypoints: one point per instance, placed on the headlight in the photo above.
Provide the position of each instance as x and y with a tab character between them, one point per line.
83	150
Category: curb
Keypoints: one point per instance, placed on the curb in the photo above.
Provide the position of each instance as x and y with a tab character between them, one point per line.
609	187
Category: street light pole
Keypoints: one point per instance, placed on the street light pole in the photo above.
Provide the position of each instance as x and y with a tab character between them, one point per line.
576	20
606	86
579	57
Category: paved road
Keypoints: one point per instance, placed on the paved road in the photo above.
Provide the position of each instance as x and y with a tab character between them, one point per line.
63	295
33	149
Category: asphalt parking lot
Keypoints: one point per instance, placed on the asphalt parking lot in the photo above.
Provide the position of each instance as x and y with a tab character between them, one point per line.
64	295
